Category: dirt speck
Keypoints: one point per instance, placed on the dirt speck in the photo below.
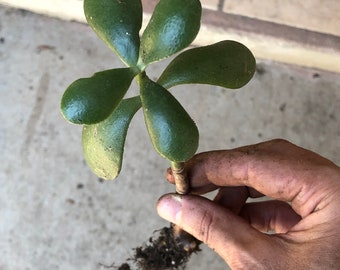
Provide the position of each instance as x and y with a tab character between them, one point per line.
260	69
80	186
124	266
283	107
70	201
316	75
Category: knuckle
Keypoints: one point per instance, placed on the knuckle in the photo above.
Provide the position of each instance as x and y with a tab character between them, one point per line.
276	144
280	141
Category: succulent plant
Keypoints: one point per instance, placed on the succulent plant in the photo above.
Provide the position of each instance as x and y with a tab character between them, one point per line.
98	102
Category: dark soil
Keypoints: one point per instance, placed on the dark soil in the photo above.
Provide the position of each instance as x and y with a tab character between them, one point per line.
124	266
163	251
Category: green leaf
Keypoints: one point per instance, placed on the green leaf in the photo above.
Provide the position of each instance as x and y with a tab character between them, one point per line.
172	27
227	63
173	133
103	143
118	23
91	100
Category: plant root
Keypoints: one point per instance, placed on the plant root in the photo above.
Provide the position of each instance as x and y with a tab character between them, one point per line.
163	251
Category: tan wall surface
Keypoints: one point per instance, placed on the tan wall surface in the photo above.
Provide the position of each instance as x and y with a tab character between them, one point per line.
304	33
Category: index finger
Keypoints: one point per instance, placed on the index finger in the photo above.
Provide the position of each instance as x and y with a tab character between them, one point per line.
277	168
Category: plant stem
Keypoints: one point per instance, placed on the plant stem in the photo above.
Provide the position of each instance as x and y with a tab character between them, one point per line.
180	177
185	240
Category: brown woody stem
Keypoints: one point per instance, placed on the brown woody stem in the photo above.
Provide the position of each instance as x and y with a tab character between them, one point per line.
180	177
185	240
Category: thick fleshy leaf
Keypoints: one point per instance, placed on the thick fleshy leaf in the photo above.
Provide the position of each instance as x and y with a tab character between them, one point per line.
103	143
173	133
91	100
227	63
118	23
172	27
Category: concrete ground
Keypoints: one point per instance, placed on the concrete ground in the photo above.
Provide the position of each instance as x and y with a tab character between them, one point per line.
54	213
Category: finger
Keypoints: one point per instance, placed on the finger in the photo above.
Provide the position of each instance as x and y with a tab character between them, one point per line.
232	198
276	168
228	234
265	216
268	216
194	189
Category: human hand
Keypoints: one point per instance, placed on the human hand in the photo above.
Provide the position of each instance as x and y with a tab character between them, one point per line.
304	210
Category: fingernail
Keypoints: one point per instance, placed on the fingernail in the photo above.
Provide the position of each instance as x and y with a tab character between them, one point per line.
169	171
169	207
169	175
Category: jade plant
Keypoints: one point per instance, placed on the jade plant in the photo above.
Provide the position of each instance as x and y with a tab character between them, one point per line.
98	102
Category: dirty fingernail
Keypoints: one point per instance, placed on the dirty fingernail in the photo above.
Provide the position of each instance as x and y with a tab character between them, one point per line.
169	207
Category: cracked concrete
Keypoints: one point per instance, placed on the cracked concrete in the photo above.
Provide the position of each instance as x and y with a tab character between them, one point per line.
54	213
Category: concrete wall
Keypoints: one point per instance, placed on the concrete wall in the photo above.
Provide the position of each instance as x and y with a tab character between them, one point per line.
304	33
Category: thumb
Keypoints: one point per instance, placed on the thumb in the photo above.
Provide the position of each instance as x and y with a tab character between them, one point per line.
229	235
